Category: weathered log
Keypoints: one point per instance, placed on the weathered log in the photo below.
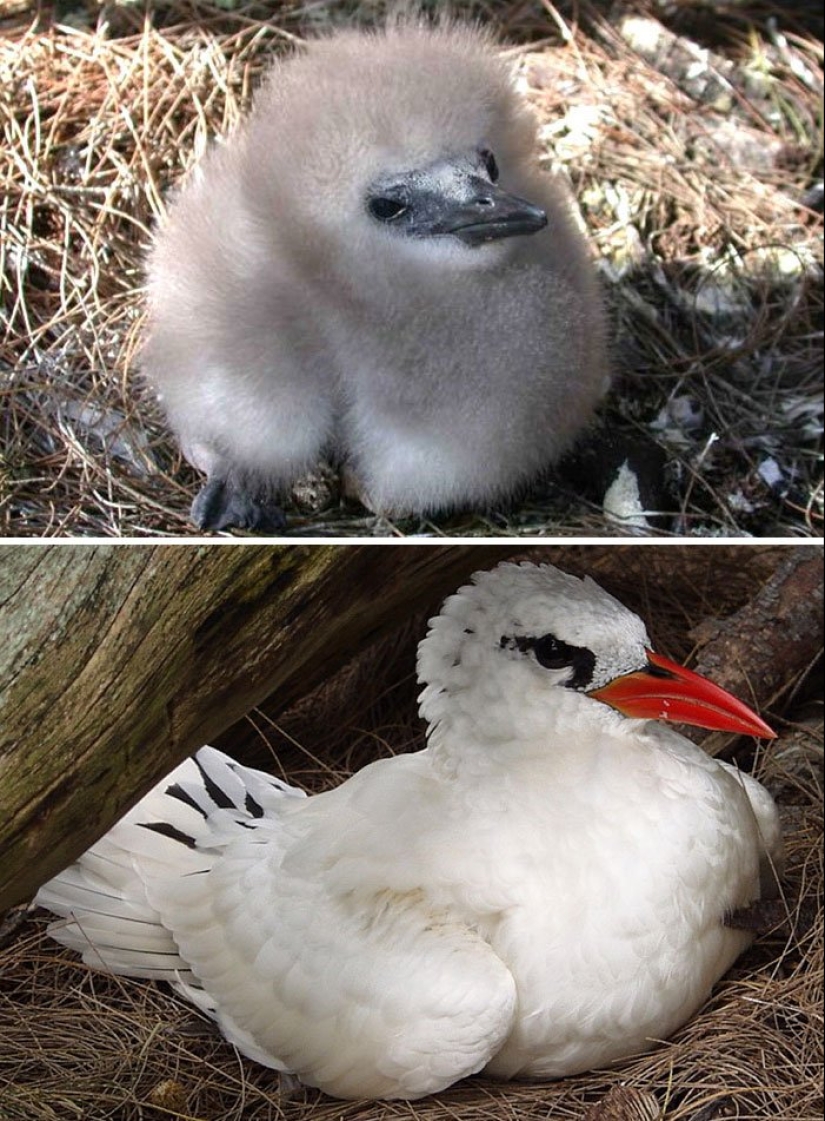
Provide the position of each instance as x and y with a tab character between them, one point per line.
118	661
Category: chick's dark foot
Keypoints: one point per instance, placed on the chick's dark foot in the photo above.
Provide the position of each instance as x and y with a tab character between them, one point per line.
222	505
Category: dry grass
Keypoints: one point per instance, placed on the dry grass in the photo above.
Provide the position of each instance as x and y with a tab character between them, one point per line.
695	161
77	1044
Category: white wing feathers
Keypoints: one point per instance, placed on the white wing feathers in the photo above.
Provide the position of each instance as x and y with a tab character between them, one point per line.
175	831
766	814
366	993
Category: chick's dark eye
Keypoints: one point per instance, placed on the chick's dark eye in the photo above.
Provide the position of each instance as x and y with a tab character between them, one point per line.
490	165
386	209
551	653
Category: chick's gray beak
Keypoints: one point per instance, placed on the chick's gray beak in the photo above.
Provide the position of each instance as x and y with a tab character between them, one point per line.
486	213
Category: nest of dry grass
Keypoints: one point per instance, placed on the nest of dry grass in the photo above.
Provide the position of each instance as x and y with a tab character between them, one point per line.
696	154
78	1044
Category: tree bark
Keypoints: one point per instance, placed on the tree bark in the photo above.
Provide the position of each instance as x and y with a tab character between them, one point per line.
761	652
116	662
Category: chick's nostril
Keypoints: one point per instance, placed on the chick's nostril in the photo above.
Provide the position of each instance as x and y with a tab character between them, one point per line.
484	200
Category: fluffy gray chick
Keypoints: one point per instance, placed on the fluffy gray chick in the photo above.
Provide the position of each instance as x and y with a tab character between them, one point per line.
357	273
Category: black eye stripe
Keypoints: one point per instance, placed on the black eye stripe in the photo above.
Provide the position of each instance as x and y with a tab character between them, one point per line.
551	653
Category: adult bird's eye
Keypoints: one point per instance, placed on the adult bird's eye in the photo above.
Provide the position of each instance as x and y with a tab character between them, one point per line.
386	209
551	653
490	165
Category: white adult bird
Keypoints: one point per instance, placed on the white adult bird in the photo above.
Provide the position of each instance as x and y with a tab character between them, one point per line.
547	887
349	275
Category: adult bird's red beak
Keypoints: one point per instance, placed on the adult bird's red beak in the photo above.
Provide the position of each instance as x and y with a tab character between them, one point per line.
664	690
